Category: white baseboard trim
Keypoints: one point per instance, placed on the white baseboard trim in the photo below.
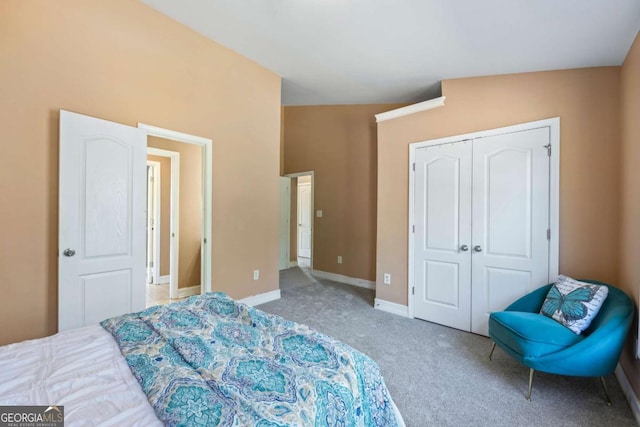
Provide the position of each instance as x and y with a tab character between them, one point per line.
293	264
361	283
391	307
634	404
187	292
261	298
162	280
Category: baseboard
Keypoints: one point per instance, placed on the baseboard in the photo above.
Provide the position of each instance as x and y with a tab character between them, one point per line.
628	392
391	307
162	280
261	298
293	264
187	292
361	283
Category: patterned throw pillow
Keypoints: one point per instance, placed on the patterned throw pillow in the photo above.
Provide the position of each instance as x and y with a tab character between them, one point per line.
574	304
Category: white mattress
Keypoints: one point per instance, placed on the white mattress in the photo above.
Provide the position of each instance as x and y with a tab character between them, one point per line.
81	369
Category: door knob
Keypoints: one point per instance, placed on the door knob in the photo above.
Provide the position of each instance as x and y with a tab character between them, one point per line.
477	248
69	252
464	248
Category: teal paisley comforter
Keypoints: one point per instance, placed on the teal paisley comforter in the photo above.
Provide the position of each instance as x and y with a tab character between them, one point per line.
210	361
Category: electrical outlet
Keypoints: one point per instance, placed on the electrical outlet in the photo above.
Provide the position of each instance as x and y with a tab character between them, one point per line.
256	274
387	279
339	259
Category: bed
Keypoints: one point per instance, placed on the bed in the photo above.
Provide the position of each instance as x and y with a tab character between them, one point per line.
206	360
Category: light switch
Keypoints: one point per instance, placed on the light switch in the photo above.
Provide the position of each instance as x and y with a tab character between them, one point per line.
319	213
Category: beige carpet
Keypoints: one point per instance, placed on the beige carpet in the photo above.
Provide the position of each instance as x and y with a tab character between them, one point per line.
440	376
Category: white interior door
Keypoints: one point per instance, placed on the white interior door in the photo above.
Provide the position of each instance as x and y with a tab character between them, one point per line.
510	220
102	220
285	211
442	240
304	220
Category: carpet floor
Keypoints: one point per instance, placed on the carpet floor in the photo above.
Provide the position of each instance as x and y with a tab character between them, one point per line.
441	376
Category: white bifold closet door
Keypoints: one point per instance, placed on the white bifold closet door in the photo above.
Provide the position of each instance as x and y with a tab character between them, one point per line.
482	221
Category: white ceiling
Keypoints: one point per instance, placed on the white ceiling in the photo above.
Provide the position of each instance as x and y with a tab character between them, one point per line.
378	51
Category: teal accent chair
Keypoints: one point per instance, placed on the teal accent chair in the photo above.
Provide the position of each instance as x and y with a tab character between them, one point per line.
542	344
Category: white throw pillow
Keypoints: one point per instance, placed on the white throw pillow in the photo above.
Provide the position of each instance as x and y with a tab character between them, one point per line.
574	304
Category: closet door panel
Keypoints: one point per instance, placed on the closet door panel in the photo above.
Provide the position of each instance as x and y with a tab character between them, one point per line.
442	214
510	219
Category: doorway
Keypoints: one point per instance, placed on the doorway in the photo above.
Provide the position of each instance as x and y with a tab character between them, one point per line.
164	222
184	256
153	220
301	214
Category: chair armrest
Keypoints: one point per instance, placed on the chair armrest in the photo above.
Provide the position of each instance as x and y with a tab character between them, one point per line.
596	355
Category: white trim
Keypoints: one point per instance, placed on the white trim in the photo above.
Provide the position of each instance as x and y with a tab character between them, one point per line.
554	188
411	109
293	264
174	217
634	404
261	298
187	292
162	280
391	307
361	283
313	216
157	174
207	193
173	135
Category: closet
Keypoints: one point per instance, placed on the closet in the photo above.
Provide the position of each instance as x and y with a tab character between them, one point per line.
481	233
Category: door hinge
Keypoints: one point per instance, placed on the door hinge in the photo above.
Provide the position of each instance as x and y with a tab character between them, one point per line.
205	240
413	290
548	147
414	167
548	234
413	228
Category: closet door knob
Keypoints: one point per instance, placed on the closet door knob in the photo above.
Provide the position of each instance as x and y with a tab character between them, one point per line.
477	248
464	248
69	252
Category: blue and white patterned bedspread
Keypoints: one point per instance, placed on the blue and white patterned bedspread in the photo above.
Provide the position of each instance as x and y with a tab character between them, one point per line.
210	361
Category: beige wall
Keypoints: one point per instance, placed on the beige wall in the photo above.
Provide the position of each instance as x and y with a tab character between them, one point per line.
338	143
630	197
587	102
165	211
190	214
122	61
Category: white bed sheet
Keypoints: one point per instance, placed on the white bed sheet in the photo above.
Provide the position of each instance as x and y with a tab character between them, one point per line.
81	369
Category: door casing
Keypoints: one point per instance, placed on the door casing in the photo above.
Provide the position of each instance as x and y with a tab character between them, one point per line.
554	191
308	173
207	194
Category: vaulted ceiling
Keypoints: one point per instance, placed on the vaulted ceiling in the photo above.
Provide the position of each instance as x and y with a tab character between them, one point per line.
379	51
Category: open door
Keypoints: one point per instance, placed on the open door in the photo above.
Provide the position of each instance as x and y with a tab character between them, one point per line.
102	220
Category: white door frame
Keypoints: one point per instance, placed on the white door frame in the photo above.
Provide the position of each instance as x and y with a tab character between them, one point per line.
207	195
174	218
157	173
313	228
554	189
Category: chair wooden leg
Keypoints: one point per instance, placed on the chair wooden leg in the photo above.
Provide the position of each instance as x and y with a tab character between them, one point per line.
531	372
493	347
606	391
